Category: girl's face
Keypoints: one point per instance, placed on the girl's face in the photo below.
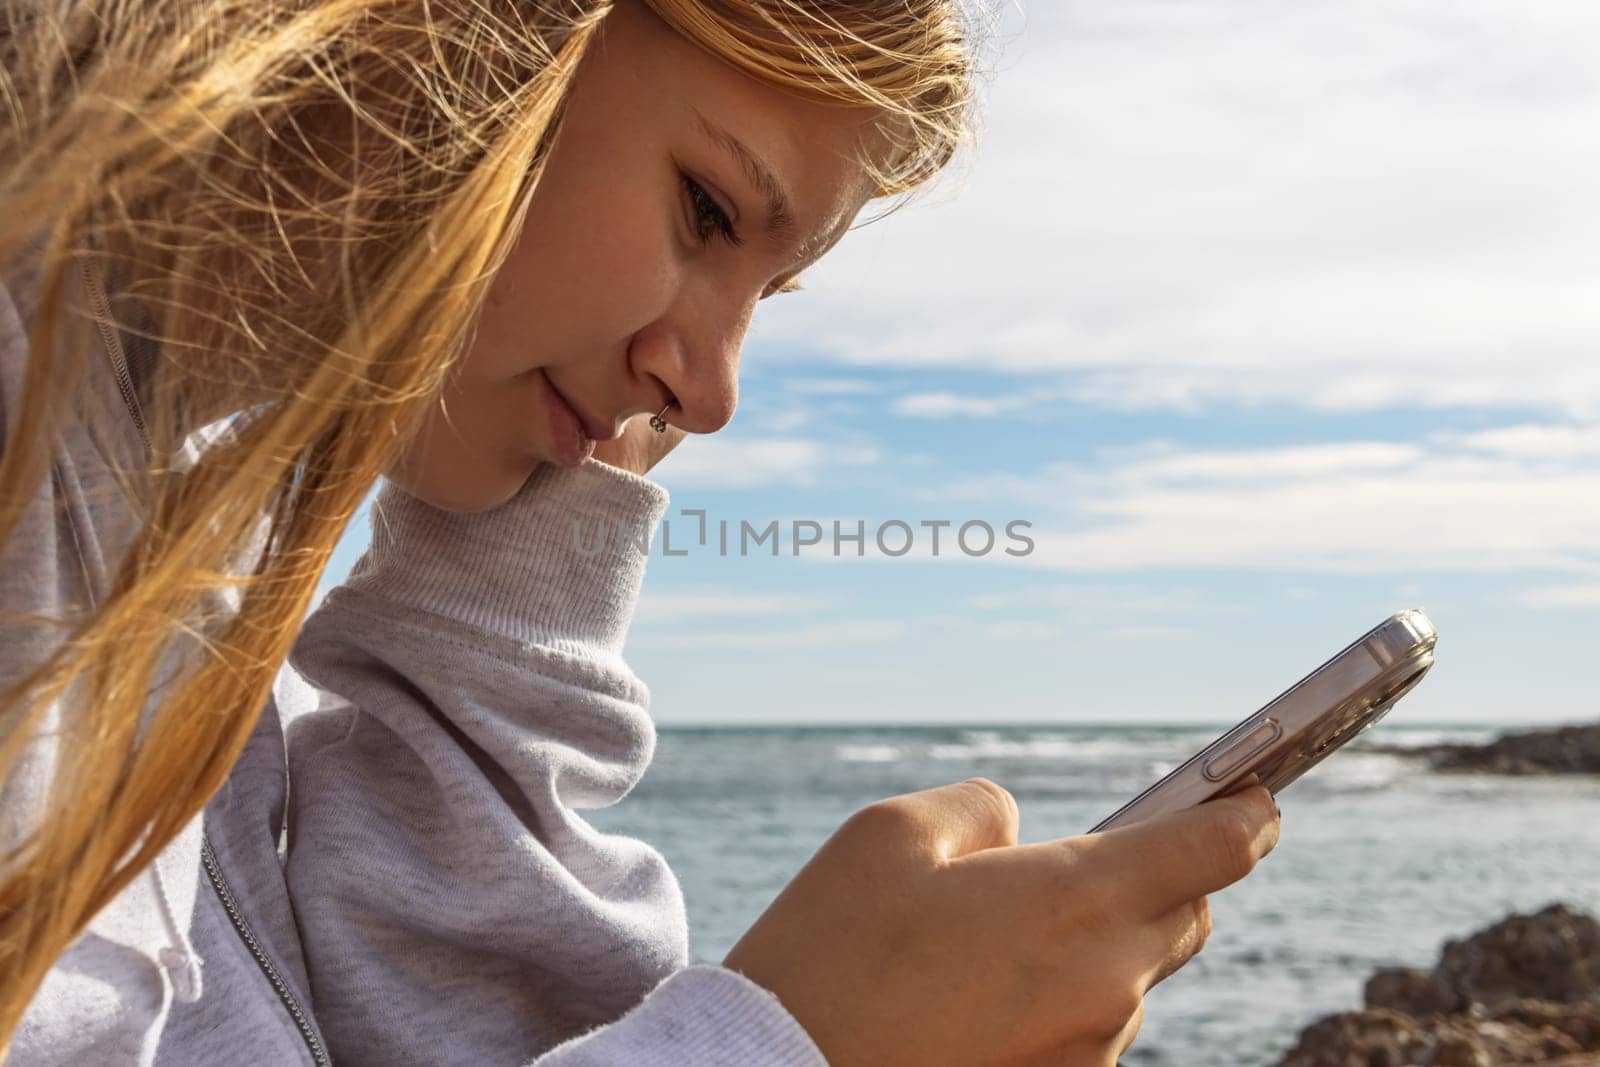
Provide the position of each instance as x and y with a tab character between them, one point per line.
678	193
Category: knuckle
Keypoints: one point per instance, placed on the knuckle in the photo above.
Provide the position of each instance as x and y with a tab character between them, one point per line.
1001	803
1232	841
1116	1010
891	817
1198	928
1202	923
1187	939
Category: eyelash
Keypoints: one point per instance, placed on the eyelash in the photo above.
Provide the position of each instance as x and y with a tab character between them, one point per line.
708	214
710	217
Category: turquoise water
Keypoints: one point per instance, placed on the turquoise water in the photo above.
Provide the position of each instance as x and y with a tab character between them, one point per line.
1377	865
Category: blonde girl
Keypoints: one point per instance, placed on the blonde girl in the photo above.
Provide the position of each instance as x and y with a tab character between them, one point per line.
257	254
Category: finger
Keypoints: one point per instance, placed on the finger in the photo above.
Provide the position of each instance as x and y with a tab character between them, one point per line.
981	815
1125	1039
954	820
1241	785
1155	865
1183	932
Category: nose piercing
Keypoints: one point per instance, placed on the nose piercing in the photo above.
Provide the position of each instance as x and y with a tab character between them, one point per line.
657	423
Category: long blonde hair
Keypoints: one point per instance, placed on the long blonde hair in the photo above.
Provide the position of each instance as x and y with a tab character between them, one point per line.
310	198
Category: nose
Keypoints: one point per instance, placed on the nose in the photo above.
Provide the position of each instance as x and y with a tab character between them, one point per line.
696	357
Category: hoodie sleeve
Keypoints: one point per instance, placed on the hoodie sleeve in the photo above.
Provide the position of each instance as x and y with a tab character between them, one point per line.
454	905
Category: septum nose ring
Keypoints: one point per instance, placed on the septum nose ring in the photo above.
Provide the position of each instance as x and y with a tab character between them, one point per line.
657	421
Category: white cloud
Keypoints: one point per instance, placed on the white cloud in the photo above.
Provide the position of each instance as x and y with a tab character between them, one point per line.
1149	633
674	608
1490	501
1346	207
846	632
1561	596
946	405
1089	602
1022	631
718	462
1305	461
783	422
831	386
1493	500
1536	441
1364	508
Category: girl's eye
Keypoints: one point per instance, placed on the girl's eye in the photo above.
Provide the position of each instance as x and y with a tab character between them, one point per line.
709	218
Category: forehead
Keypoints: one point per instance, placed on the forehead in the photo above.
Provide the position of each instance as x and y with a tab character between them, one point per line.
809	153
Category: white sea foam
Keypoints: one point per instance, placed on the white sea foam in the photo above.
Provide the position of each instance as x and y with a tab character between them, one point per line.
982	744
1421	738
866	753
1354	769
997	748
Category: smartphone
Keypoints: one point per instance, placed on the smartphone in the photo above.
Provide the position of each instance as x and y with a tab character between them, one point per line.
1304	726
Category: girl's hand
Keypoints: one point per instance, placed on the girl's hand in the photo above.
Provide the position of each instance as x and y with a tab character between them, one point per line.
638	447
921	932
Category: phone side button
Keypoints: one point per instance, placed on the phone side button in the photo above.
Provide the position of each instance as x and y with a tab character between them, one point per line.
1219	767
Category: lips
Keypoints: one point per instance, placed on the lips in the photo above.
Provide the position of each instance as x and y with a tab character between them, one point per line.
569	445
592	427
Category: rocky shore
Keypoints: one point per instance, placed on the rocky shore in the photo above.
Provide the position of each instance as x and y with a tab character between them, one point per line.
1565	750
1523	991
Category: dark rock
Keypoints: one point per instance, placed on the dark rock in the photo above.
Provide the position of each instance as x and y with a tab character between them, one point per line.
1380	1037
1411	991
1523	991
1581	1021
1565	750
1551	955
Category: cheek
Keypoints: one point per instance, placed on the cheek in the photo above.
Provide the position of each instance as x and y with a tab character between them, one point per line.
575	290
579	284
475	459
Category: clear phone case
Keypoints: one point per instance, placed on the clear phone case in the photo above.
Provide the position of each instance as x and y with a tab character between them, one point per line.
1304	726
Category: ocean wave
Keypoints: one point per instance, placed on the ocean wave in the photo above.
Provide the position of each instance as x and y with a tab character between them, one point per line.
995	745
1424	738
866	753
1355	771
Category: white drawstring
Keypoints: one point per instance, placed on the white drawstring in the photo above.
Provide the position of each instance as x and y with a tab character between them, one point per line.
179	958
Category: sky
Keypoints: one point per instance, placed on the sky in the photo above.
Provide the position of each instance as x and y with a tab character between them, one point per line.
1267	319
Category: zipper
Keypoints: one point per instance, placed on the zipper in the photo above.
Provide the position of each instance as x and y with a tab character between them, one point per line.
101	307
114	350
208	858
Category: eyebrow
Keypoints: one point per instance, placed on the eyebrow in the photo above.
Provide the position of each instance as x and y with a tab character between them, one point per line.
780	214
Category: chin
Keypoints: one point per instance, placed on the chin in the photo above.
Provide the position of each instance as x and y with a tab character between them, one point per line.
477	490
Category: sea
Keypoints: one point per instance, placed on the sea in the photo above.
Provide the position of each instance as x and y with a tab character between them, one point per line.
1380	861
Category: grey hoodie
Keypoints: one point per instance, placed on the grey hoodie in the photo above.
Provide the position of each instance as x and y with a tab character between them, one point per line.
397	869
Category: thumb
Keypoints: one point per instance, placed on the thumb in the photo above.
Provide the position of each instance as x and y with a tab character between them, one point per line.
1167	860
953	820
